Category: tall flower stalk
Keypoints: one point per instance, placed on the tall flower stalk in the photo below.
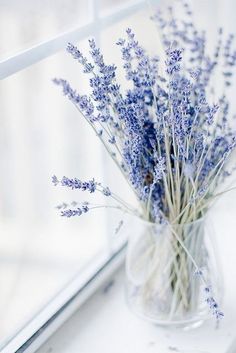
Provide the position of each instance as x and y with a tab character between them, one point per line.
168	134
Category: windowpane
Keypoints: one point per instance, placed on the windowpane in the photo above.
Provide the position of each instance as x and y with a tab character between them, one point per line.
104	4
42	134
27	23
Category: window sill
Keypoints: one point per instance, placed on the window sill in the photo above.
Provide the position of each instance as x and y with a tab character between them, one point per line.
105	324
72	297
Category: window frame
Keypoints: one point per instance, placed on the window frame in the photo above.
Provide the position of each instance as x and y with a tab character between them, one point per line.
88	280
97	23
70	299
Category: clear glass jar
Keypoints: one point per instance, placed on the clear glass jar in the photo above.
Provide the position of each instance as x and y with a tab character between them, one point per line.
162	285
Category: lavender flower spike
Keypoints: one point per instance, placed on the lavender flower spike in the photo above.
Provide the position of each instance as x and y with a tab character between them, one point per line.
170	136
75	183
213	306
75	212
77	55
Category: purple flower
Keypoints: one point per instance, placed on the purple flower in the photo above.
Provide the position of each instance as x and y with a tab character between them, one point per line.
106	191
112	140
160	168
173	59
74	212
83	102
55	181
212	304
75	183
89	186
77	55
170	141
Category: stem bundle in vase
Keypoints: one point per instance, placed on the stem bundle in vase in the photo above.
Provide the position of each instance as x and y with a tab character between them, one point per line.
171	139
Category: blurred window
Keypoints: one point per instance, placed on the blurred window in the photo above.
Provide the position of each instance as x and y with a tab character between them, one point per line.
42	134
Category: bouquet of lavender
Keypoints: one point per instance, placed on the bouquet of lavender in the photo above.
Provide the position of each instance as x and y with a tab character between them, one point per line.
171	139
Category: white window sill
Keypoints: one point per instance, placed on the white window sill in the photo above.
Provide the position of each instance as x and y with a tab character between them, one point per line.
104	324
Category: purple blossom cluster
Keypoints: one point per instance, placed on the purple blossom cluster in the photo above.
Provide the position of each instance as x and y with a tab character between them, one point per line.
209	299
164	126
74	212
168	134
90	186
212	304
75	183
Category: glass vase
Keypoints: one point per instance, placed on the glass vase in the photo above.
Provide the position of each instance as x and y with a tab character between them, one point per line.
162	283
